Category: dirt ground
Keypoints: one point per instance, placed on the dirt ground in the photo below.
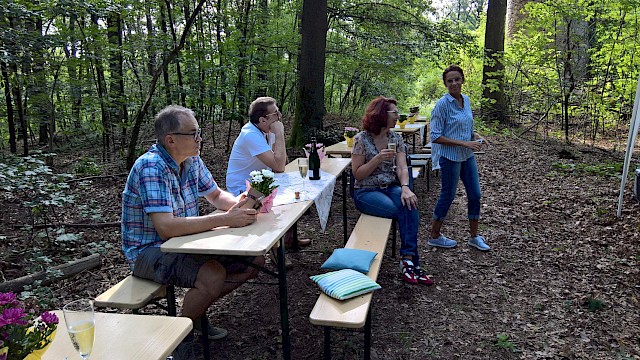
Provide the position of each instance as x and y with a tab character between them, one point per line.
562	280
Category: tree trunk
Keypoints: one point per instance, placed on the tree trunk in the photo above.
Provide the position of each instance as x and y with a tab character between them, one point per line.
117	102
181	91
310	103
7	97
494	105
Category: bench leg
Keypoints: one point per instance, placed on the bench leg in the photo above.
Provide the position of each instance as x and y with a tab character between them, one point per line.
327	343
204	339
171	300
367	336
344	207
393	238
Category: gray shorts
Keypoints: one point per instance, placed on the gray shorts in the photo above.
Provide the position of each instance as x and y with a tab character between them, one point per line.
181	269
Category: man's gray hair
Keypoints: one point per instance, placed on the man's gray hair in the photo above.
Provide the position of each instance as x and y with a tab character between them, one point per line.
168	120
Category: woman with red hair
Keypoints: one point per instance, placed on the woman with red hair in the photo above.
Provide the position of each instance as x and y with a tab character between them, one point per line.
382	182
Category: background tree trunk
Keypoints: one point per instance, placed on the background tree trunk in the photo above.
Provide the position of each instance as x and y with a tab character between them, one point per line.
494	105
310	103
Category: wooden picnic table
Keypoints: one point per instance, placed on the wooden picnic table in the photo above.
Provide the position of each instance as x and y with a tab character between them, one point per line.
124	336
256	240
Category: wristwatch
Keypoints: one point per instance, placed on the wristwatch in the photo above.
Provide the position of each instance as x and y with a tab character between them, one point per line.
407	185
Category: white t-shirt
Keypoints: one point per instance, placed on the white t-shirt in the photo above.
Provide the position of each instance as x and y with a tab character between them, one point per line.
244	156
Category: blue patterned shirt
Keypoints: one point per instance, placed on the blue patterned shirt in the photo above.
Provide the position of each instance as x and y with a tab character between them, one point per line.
453	122
155	185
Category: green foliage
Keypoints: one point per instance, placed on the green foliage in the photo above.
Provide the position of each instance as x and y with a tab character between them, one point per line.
87	166
502	341
593	304
605	169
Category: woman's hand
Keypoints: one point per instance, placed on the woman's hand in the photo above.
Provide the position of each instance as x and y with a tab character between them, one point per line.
385	155
408	198
473	145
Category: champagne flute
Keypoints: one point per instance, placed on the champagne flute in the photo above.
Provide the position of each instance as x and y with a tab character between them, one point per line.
391	145
303	168
81	325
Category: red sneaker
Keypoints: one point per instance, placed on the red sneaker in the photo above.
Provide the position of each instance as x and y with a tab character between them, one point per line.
406	268
421	277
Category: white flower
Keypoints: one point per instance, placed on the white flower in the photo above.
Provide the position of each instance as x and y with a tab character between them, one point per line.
267	173
254	173
257	178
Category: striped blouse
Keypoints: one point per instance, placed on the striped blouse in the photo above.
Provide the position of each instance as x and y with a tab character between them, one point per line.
453	122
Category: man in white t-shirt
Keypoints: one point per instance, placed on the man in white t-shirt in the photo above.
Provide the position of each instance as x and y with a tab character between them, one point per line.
260	145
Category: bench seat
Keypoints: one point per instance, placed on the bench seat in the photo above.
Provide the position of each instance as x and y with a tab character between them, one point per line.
370	233
134	293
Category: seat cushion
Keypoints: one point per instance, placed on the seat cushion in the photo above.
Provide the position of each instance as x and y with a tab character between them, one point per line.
345	284
356	259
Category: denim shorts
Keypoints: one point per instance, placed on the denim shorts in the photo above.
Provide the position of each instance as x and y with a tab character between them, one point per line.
182	269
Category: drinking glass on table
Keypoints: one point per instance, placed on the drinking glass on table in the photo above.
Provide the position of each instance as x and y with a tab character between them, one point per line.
303	168
80	321
391	145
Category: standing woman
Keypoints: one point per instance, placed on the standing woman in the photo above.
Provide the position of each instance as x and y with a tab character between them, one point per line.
454	143
382	182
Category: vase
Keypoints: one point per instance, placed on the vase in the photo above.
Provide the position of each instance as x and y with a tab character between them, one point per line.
402	124
349	141
37	354
254	199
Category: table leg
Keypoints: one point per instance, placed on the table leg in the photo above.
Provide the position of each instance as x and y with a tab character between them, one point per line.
284	308
414	143
344	205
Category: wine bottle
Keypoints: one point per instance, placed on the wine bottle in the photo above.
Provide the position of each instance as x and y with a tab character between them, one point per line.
314	161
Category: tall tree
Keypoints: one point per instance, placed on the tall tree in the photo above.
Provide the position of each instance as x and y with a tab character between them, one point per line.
494	105
310	104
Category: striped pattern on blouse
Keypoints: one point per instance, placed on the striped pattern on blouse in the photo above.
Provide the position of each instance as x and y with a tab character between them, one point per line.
453	122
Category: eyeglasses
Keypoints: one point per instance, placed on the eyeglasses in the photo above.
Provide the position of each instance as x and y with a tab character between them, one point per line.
393	111
197	134
277	112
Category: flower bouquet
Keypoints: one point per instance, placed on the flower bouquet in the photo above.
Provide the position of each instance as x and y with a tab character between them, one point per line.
349	133
319	149
260	190
22	338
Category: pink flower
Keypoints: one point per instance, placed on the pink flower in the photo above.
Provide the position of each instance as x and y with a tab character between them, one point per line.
13	316
8	298
49	318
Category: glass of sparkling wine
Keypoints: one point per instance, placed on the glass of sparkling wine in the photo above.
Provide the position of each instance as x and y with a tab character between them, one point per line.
391	145
80	321
303	168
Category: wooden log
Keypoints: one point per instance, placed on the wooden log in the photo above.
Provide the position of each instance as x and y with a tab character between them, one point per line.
64	271
73	225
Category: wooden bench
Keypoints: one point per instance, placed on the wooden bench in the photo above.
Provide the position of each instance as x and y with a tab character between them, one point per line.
425	161
370	233
134	293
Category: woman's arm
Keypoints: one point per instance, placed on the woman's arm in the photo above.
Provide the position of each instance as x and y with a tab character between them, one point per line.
362	169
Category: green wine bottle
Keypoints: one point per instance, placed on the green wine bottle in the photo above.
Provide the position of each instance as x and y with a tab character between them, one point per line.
314	161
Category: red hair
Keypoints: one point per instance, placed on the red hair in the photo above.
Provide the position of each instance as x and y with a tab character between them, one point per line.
375	115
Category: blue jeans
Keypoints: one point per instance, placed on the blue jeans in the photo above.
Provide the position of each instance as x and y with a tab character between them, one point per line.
387	203
451	172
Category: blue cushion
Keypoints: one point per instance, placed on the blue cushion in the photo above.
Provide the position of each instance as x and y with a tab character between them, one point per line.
359	260
345	284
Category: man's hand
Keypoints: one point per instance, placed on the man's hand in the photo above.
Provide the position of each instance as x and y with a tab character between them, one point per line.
277	127
237	217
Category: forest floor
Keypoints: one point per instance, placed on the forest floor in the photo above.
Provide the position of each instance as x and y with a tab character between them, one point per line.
562	280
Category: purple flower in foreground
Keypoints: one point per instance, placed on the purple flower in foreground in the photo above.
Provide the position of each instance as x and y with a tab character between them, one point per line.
13	316
8	298
3	356
49	318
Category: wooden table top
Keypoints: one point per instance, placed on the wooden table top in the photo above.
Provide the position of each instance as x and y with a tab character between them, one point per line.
409	128
334	166
124	336
340	148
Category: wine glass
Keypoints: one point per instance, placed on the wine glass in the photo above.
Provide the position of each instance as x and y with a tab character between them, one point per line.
303	168
81	325
391	145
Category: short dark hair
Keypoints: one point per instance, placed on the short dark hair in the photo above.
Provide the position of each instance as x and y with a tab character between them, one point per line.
260	107
375	115
168	121
450	69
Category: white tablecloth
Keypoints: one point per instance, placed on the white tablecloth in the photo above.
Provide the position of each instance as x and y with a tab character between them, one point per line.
320	191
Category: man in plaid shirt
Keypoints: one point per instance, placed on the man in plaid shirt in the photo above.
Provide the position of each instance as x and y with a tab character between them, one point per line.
160	201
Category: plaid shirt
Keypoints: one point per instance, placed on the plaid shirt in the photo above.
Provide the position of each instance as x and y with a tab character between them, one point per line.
154	185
